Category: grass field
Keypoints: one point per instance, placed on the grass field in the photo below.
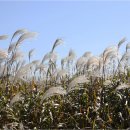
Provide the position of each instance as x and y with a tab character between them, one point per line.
90	92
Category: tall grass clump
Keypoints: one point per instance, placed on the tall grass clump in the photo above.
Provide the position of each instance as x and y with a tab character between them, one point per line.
90	92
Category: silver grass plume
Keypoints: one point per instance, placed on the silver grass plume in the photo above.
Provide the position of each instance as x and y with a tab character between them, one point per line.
121	68
63	61
17	56
109	55
107	82
81	61
23	62
16	98
100	62
53	56
80	64
30	54
3	70
123	86
35	62
11	47
18	66
125	56
46	57
50	56
109	49
127	46
18	32
54	91
121	42
76	82
3	54
71	56
23	70
41	68
93	61
56	43
61	73
3	37
25	36
87	54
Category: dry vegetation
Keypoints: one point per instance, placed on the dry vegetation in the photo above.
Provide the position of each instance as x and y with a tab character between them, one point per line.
92	92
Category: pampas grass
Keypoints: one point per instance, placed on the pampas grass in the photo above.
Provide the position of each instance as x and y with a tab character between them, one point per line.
3	37
25	36
18	32
54	91
89	92
56	43
121	42
16	98
30	54
3	54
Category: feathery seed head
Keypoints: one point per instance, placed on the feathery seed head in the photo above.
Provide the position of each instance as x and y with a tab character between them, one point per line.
121	42
87	54
56	43
3	54
3	37
127	46
54	91
25	36
123	86
18	32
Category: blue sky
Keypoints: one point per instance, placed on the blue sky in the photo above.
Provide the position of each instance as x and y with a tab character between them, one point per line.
83	25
